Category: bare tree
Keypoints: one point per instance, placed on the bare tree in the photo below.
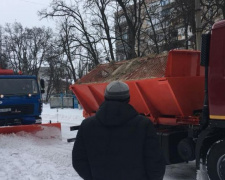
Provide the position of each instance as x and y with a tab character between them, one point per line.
58	75
3	60
26	48
152	16
184	13
52	59
38	42
69	48
212	10
82	34
214	7
98	8
132	12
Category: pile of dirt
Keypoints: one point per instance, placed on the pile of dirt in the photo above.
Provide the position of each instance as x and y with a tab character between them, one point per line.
138	68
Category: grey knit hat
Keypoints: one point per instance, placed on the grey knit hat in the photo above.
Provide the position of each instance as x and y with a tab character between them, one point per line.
117	90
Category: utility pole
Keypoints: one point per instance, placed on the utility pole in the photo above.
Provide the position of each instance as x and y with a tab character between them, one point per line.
198	24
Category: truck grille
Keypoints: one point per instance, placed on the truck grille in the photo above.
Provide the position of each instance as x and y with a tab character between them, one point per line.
16	109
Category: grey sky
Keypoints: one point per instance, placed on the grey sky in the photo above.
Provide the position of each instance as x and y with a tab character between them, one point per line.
24	12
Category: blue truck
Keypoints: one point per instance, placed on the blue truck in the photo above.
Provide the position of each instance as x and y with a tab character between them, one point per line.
20	98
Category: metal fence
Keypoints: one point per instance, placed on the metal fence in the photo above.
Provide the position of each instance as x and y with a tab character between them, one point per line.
63	101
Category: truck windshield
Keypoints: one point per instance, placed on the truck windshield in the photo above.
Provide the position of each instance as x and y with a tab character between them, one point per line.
18	86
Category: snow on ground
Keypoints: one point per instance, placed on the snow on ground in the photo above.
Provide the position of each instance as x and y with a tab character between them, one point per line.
40	157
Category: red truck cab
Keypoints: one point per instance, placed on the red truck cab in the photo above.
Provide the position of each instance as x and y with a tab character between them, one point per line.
217	72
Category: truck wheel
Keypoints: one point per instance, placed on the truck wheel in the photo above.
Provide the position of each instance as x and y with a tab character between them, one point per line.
216	161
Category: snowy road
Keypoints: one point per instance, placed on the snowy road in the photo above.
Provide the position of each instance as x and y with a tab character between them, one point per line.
29	157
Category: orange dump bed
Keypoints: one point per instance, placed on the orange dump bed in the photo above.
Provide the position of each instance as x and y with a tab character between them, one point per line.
169	89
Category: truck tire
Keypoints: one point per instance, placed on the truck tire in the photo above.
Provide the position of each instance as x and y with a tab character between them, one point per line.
186	149
216	161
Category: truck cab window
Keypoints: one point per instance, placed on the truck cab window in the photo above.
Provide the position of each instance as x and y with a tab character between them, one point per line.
18	86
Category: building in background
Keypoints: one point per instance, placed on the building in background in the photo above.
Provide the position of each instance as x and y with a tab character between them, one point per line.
166	25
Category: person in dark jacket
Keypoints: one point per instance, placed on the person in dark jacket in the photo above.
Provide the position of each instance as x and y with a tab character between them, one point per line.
117	143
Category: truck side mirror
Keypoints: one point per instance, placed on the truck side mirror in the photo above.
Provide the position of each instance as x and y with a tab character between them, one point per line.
42	91
42	83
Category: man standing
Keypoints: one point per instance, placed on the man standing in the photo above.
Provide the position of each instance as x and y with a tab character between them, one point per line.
117	143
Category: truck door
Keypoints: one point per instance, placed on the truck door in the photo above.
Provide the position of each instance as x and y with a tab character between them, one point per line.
217	72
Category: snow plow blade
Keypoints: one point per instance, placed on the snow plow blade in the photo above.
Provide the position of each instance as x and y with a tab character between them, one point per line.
34	128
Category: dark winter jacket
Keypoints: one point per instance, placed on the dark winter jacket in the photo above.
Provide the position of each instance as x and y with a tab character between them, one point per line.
117	144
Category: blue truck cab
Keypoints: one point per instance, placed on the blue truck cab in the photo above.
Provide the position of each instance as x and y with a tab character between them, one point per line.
20	99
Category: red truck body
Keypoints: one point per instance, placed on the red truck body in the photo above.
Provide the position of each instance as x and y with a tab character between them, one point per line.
217	72
169	100
184	100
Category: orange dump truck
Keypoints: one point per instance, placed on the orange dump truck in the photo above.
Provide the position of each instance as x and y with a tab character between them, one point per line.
184	100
